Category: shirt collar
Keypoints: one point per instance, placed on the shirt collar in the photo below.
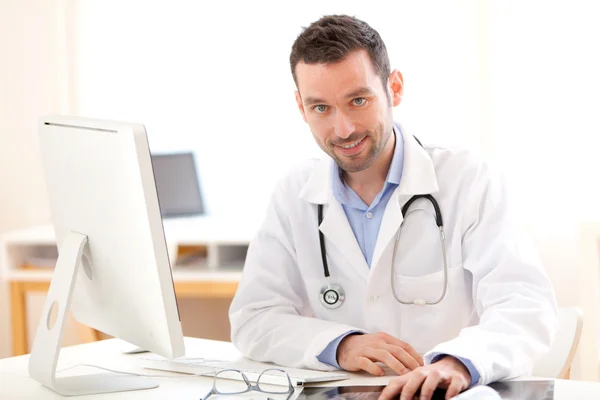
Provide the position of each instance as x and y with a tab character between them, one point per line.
395	172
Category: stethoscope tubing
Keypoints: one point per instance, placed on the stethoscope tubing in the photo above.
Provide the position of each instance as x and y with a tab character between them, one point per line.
338	297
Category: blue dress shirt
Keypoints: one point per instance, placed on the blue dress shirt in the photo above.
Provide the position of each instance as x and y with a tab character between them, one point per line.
365	221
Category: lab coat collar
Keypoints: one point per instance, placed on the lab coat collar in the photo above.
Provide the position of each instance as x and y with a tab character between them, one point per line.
418	175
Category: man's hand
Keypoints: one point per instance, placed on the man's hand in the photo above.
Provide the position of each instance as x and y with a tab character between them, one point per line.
361	352
448	373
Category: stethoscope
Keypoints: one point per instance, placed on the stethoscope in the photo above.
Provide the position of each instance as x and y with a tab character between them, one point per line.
332	295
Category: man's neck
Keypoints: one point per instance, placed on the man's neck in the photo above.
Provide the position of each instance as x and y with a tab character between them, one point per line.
368	183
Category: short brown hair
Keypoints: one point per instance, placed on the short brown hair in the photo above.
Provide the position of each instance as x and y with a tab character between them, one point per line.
332	37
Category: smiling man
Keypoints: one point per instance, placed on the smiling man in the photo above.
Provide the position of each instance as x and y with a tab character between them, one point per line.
350	115
348	270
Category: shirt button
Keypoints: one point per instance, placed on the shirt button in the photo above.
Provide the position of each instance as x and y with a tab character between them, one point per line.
369	215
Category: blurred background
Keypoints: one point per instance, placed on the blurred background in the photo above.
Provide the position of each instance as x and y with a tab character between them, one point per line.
515	81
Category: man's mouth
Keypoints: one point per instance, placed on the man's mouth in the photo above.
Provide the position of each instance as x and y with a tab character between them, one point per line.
353	144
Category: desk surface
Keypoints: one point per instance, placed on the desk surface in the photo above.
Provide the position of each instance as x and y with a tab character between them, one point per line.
15	382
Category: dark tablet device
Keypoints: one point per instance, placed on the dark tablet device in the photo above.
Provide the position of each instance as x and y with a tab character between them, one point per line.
350	392
513	390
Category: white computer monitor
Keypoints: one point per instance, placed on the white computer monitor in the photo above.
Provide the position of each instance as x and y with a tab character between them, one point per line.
113	269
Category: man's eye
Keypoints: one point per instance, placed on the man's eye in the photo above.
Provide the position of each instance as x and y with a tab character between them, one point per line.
359	101
320	108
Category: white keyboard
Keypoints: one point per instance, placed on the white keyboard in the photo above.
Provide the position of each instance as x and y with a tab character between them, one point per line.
252	369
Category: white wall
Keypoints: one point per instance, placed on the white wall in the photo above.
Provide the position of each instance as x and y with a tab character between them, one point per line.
546	132
214	77
545	86
33	82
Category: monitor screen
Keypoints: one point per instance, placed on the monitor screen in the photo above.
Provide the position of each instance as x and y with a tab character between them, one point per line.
177	185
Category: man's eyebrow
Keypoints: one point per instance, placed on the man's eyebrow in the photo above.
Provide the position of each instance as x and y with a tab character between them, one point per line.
363	91
309	101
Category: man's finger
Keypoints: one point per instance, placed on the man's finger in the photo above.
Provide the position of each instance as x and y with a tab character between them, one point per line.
387	358
367	365
393	388
410	350
412	385
407	347
408	360
456	386
429	385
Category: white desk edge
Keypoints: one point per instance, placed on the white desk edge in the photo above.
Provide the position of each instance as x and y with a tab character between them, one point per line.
16	383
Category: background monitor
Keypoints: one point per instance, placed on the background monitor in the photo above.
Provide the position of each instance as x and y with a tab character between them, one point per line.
177	184
113	269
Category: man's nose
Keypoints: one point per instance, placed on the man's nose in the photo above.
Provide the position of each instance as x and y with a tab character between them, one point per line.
343	126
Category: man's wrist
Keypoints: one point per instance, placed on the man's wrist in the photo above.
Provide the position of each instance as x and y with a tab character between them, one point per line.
337	355
456	365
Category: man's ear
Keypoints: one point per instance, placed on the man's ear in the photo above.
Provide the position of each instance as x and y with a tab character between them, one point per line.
396	87
300	105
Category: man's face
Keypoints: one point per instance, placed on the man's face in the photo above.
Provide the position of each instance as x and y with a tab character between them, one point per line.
348	108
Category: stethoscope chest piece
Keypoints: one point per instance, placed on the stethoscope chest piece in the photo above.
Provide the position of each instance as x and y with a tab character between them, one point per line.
332	295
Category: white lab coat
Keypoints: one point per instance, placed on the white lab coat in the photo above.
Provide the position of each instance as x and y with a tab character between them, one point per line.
499	311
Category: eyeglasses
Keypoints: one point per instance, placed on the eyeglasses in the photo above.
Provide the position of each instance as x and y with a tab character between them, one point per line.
234	381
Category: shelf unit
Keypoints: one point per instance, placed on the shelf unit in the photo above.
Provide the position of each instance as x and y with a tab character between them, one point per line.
206	254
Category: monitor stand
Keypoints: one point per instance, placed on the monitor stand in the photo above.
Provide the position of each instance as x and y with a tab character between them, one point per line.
48	338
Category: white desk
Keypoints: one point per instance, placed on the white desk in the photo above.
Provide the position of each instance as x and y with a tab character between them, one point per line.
15	382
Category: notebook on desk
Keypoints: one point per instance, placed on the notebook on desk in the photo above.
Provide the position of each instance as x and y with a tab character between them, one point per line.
252	369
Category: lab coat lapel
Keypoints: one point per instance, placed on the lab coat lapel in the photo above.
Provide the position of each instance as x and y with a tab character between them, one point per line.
335	225
418	177
337	230
392	219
